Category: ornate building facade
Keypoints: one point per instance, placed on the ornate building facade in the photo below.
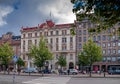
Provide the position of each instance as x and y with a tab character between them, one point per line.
58	39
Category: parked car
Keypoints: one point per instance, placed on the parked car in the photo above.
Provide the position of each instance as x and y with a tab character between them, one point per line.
30	70
71	71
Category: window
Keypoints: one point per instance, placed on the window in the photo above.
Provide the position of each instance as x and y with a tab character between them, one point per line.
29	34
57	47
51	40
29	44
84	39
24	43
46	33
98	38
71	39
118	59
103	45
23	57
64	47
109	44
108	59
57	57
23	35
71	46
109	51
80	39
35	34
35	42
51	33
84	25
113	37
118	51
71	56
98	44
114	44
64	32
114	51
89	25
64	40
57	40
104	59
57	32
84	32
109	31
113	59
94	38
108	38
103	37
40	33
119	44
80	46
104	51
80	32
79	25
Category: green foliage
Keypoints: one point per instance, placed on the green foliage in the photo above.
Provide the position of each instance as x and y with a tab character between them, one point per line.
6	53
83	60
106	12
72	31
20	62
40	53
62	61
91	53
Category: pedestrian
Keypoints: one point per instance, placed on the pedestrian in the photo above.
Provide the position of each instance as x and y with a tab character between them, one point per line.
68	71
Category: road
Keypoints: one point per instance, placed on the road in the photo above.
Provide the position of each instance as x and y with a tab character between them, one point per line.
8	79
94	81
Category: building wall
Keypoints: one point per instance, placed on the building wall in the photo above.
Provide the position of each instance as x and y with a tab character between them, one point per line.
109	43
50	33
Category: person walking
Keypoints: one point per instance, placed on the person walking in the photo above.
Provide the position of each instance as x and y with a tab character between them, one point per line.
68	71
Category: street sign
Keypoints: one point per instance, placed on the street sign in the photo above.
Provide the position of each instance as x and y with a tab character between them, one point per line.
15	58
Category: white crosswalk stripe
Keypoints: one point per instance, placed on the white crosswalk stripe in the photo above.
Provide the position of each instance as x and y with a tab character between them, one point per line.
49	80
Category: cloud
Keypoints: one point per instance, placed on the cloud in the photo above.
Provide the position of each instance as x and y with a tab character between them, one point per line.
61	11
4	11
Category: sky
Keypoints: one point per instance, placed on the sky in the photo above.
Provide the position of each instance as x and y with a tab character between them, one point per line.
15	14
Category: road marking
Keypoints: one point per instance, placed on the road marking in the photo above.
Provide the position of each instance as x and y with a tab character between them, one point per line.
49	80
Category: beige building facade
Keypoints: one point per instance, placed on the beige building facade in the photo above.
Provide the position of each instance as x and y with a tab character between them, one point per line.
58	39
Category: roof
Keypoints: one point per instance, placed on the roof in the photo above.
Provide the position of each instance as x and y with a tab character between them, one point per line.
48	24
64	25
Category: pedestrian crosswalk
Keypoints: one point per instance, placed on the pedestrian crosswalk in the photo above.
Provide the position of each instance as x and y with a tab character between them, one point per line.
49	80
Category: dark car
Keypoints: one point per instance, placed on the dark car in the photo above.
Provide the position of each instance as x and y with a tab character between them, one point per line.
113	71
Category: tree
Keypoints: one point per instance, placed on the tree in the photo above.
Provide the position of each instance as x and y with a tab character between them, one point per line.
92	52
104	13
83	60
40	53
6	53
20	63
62	61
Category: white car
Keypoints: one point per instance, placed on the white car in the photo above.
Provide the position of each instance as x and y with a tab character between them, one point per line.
71	71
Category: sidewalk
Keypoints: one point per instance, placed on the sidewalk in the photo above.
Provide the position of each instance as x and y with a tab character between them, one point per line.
75	76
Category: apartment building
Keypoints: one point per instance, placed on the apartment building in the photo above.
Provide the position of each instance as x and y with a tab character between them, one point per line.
14	42
58	39
108	40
